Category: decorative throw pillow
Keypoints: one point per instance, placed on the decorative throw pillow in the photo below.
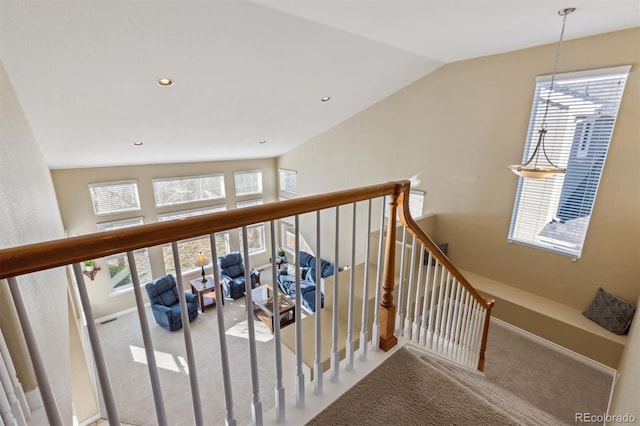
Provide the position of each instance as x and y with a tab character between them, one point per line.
611	312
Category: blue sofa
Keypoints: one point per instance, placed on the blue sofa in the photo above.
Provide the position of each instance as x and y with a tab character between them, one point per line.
308	265
163	295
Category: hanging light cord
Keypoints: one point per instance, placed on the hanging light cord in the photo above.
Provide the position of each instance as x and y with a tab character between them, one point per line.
543	126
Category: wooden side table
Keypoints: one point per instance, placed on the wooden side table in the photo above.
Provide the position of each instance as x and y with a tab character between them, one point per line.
208	288
262	298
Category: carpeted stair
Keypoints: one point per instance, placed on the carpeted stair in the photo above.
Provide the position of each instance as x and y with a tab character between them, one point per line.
411	388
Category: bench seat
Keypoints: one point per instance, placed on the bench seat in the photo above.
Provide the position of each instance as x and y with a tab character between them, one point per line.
551	320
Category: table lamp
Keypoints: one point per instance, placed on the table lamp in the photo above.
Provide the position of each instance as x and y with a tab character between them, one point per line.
201	262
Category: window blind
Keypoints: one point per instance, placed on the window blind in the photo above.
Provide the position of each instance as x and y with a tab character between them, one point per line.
288	181
114	197
171	191
248	182
554	213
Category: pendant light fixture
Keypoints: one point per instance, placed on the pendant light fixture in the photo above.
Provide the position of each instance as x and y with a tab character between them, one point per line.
535	168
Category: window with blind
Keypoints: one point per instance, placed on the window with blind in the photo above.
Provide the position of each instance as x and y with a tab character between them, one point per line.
288	181
118	264
248	183
172	191
554	213
188	250
416	203
114	197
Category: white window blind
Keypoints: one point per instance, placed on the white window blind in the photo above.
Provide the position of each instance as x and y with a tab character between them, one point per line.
554	213
248	182
288	181
171	191
114	197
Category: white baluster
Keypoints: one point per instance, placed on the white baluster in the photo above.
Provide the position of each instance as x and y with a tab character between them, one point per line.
299	390
364	329
17	386
6	415
439	312
464	330
279	388
432	313
401	284
335	356
352	283
7	387
425	301
256	404
222	336
318	368
148	343
412	262
475	338
446	313
455	323
415	334
188	342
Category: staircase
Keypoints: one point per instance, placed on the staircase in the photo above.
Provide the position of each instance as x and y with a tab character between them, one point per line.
422	387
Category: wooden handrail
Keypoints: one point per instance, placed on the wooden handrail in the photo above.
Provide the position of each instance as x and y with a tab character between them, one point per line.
414	229
29	258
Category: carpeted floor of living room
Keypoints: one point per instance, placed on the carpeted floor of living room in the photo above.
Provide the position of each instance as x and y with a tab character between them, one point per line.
547	379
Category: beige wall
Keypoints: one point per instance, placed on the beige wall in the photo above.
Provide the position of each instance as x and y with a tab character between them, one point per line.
456	130
78	216
29	213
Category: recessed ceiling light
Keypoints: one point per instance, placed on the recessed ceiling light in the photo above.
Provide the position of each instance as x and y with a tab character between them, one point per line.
263	142
165	82
138	143
326	99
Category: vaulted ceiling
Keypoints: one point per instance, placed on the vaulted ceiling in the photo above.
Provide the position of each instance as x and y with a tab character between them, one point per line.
245	72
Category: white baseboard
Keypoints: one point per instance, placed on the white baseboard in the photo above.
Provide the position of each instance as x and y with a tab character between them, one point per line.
554	346
117	314
34	399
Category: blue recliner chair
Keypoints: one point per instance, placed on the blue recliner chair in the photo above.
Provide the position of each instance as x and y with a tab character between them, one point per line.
232	275
163	295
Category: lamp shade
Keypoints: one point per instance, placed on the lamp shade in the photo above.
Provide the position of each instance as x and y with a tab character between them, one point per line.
201	259
536	172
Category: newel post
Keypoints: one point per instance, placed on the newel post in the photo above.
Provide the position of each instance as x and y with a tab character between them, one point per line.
387	308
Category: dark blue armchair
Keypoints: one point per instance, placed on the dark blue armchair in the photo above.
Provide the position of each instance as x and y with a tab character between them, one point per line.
163	295
232	275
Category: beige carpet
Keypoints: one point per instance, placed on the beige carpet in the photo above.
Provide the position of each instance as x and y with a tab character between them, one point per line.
548	380
411	390
524	383
122	343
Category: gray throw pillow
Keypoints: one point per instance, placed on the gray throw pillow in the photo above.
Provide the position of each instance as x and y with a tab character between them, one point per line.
611	312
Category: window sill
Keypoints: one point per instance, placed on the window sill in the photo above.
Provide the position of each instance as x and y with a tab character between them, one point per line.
120	292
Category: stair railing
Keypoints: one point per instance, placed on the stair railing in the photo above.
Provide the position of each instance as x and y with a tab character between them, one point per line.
17	261
444	313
